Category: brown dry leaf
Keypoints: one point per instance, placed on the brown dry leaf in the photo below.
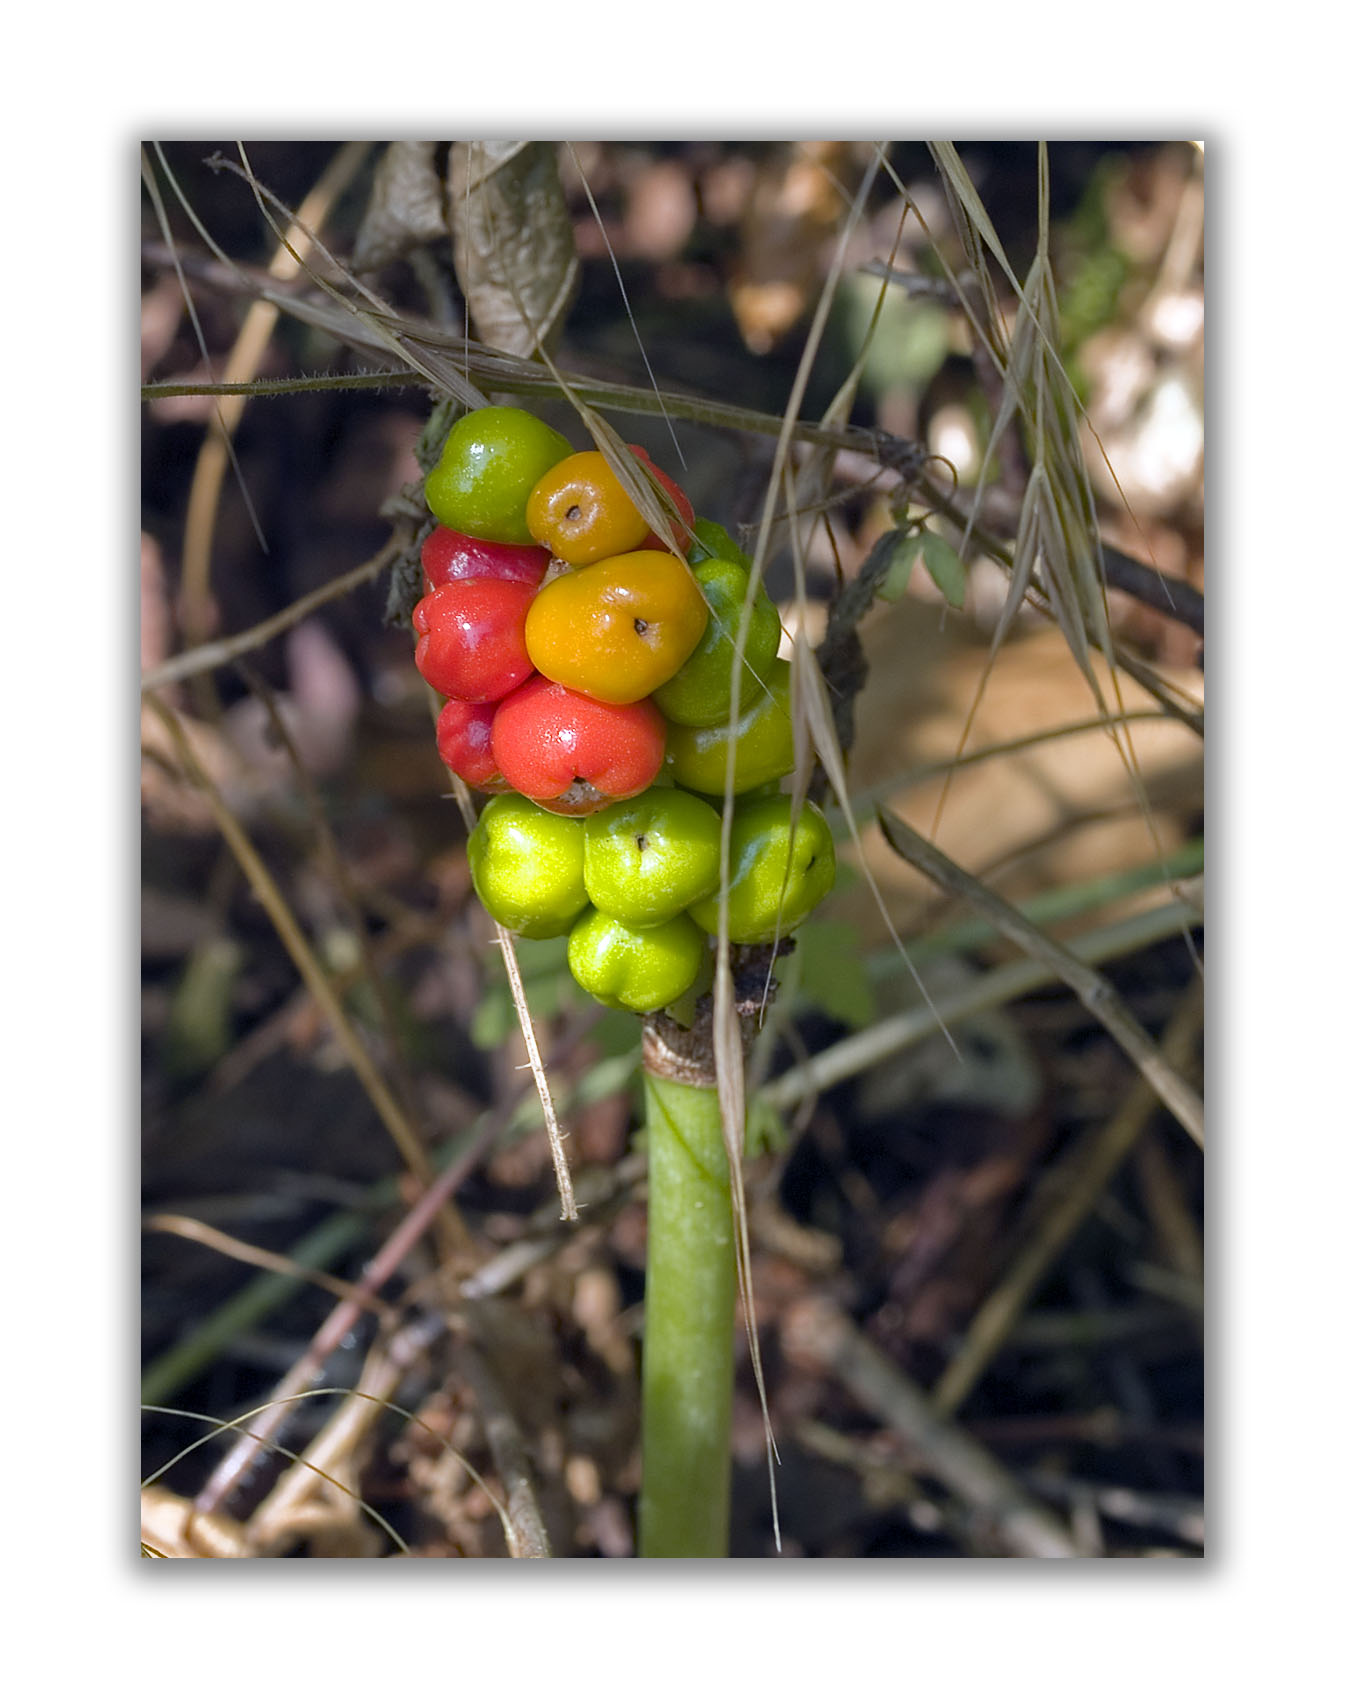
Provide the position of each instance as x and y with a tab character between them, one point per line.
1018	807
406	206
788	228
171	803
660	211
514	244
160	315
156	614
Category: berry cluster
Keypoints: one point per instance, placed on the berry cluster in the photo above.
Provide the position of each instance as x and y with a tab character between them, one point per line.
586	675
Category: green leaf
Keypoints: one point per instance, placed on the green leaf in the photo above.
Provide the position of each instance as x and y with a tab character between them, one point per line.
942	562
945	567
831	973
765	1132
894	586
903	340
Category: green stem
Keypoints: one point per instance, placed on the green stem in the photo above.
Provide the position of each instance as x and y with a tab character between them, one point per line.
690	1288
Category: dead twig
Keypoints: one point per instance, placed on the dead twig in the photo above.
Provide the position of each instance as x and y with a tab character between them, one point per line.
1181	601
1174	1514
188	1228
233	1469
220	653
525	1530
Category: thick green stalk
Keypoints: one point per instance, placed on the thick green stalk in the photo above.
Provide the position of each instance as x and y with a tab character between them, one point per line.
690	1288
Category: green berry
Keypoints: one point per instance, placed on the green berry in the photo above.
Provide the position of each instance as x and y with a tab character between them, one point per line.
776	877
698	756
648	858
711	539
638	968
528	866
698	694
491	460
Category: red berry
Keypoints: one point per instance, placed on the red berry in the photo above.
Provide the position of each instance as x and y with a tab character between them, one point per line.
447	554
472	642
681	501
463	738
573	754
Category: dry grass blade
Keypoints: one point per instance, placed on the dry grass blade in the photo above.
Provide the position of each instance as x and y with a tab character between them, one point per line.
1092	989
323	1472
380	1268
726	1029
810	707
815	728
225	436
505	939
228	1246
652	501
626	302
302	1503
1058	552
341	1490
971	219
525	1529
225	650
338	873
994	989
1057	543
378	318
381	323
555	1138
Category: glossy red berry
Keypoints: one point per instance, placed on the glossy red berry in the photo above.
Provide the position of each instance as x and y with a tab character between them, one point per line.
573	754
472	638
463	739
448	554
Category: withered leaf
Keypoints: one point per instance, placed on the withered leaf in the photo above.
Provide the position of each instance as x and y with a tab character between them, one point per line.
406	206
514	244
